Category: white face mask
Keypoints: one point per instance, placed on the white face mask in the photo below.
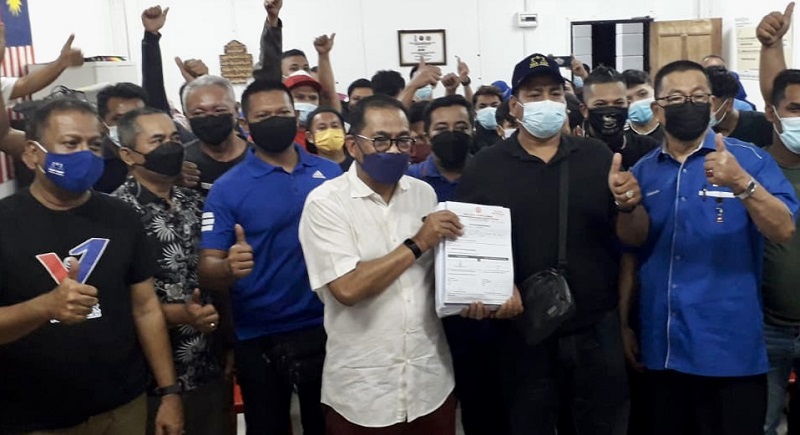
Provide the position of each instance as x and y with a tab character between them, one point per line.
791	132
113	134
508	132
543	119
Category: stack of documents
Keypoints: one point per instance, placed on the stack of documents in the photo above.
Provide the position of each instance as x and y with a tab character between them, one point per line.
478	266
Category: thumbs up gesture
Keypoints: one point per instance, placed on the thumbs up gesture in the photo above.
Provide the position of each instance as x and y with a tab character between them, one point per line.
154	18
71	301
773	26
70	56
203	318
240	255
722	168
624	186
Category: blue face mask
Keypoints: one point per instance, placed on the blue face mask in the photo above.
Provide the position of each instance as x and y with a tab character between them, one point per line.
577	82
76	172
791	133
303	110
640	112
424	93
385	168
543	119
486	117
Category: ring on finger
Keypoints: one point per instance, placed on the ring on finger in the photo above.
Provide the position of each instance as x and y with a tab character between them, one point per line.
629	194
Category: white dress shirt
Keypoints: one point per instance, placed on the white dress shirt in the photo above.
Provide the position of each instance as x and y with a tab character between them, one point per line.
6	88
387	358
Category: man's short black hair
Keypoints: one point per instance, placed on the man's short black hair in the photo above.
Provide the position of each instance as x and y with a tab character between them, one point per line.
503	114
486	90
263	85
723	83
41	116
447	101
123	90
601	75
127	128
293	52
360	83
322	109
635	77
417	111
388	82
785	79
674	67
377	101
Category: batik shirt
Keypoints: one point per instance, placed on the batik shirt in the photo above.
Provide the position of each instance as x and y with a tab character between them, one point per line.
174	230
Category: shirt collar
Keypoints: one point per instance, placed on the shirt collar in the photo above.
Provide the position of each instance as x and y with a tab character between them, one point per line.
359	189
566	146
259	168
143	195
707	145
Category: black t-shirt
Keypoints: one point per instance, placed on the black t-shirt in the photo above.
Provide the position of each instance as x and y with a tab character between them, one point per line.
210	169
348	160
636	147
753	127
657	134
60	375
483	138
506	175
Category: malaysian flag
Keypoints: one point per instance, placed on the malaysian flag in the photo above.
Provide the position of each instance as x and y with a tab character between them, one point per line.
19	54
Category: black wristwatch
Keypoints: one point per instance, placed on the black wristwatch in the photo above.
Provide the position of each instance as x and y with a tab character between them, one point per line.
169	389
413	247
466	82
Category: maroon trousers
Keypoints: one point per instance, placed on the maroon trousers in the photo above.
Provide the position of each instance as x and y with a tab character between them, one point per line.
440	422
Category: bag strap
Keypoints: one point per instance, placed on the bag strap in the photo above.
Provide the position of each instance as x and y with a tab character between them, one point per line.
563	205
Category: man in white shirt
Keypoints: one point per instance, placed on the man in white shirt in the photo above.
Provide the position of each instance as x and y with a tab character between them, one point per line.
388	367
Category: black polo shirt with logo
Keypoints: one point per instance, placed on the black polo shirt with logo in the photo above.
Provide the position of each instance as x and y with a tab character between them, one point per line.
506	175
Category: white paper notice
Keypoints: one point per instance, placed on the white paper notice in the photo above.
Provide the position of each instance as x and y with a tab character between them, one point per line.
478	266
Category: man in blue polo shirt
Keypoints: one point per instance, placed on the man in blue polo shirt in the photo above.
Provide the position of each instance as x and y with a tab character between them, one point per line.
250	244
473	343
708	203
448	124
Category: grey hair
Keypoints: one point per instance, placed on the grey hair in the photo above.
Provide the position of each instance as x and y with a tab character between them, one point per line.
208	80
128	127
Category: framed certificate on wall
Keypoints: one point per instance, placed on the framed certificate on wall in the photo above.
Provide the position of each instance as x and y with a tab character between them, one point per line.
417	45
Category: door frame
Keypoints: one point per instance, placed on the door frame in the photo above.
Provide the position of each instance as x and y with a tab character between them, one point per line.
645	21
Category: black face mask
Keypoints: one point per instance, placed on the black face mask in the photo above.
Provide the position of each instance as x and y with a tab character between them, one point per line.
213	129
451	147
166	160
274	134
687	121
608	124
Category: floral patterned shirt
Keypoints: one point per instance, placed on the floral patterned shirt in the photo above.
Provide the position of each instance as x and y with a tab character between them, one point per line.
174	230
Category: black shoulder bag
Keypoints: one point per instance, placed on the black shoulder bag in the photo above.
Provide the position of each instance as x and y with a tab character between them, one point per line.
546	296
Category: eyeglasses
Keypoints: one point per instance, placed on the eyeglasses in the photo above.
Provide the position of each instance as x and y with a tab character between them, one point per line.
382	144
674	100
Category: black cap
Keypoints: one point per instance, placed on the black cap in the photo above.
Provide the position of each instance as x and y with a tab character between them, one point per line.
535	64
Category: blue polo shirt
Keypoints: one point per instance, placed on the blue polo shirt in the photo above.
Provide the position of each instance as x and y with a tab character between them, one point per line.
429	173
700	301
267	202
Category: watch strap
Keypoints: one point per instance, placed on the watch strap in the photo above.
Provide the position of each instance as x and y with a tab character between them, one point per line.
749	190
169	389
408	243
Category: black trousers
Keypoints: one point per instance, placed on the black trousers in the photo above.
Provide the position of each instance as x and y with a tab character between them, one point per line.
583	370
699	405
267	387
475	348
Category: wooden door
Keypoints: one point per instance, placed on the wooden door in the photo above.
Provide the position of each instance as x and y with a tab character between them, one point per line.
684	40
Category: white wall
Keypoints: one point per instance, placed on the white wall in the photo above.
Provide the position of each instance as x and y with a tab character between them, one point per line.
480	31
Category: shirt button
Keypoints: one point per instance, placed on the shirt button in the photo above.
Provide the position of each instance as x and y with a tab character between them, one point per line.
678	257
674	285
683	198
684	170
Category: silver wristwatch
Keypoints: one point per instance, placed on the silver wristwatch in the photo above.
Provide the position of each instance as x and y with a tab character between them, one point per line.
749	190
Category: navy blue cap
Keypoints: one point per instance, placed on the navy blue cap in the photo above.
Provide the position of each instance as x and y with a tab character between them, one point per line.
535	64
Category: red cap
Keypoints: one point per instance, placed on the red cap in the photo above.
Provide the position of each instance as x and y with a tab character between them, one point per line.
301	78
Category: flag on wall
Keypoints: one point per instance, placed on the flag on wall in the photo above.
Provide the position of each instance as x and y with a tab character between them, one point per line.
19	54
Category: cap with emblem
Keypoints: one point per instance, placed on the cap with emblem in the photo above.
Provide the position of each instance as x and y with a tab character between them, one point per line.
301	78
535	64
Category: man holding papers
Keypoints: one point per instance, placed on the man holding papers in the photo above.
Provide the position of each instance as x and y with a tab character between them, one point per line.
388	366
581	365
473	343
